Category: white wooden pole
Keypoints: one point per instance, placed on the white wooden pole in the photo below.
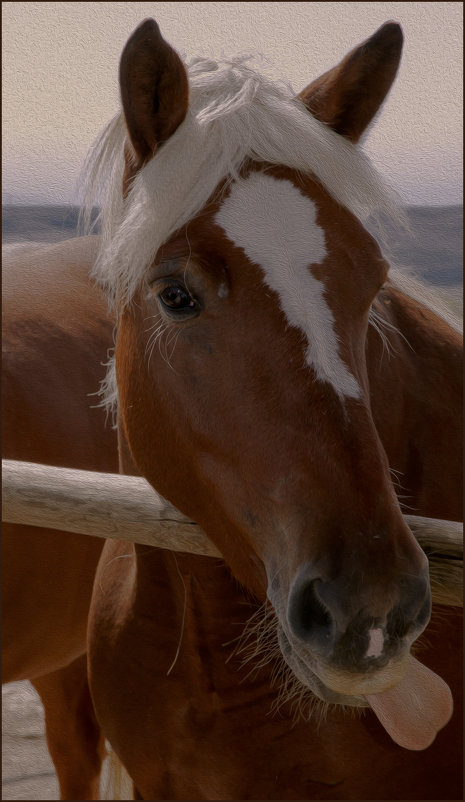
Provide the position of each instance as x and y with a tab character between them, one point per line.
104	505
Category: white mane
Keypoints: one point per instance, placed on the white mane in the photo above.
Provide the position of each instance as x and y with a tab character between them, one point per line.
235	114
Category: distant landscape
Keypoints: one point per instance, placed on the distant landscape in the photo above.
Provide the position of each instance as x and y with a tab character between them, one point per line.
434	253
39	223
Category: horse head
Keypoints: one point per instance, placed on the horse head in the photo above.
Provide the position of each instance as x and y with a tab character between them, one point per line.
244	277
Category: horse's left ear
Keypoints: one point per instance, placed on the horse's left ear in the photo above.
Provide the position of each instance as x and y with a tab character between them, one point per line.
154	90
348	96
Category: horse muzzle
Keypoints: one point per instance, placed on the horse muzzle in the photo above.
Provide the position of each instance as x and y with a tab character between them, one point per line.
357	631
353	637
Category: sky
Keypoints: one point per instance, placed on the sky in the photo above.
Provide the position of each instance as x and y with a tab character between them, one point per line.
60	68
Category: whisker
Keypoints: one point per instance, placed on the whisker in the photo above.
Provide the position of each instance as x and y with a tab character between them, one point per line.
257	647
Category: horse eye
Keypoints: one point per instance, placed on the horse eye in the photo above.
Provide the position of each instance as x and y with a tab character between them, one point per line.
176	297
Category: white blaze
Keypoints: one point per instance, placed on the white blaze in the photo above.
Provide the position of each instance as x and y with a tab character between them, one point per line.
275	225
376	644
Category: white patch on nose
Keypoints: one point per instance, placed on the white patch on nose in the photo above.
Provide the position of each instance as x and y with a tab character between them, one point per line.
376	644
275	225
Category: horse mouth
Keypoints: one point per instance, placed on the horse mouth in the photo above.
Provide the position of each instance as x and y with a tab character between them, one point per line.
412	709
310	679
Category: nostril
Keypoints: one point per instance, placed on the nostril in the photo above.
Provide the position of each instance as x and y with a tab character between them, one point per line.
408	619
308	616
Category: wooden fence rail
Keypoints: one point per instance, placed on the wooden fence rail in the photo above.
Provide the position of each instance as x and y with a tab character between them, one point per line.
104	505
127	508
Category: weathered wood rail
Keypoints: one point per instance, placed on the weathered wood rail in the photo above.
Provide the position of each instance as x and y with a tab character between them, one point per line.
127	508
104	505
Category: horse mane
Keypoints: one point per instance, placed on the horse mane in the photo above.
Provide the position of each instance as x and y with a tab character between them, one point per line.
235	114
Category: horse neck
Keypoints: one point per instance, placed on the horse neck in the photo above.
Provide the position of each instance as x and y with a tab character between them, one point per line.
416	394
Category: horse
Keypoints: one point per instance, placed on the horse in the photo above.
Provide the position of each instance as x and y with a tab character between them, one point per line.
56	334
246	290
255	393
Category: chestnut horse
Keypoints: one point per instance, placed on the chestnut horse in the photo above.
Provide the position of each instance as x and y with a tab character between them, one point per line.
56	334
255	396
240	236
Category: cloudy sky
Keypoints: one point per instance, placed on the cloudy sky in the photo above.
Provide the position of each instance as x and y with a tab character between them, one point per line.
60	64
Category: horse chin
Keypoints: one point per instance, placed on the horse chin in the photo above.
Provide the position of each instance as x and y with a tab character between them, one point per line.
309	678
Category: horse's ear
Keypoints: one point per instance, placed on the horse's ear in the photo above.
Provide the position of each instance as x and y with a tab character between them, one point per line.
348	96
154	90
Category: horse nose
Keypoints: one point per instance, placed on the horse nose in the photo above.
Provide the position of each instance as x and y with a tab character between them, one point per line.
349	626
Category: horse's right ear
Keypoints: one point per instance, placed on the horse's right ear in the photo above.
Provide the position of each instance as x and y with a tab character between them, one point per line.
154	90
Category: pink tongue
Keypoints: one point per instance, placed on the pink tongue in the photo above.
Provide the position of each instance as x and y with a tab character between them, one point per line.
416	709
